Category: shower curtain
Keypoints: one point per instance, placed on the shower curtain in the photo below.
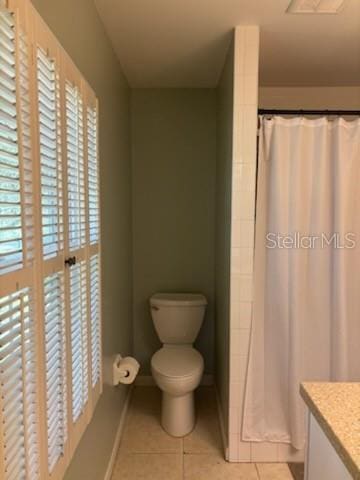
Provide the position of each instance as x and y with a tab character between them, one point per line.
306	317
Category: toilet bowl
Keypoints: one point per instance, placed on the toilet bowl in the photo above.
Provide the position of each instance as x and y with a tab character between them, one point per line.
177	371
177	367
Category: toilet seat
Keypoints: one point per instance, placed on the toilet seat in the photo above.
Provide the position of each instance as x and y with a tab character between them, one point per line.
177	362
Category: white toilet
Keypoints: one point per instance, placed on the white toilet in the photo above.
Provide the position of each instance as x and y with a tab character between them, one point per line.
177	367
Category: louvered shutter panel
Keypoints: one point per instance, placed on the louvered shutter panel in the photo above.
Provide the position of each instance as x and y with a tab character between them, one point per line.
94	238
75	168
79	339
54	299
50	155
56	374
93	175
26	148
11	254
95	319
19	447
16	227
18	387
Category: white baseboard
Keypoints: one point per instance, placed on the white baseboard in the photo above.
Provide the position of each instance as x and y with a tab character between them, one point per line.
118	436
148	381
222	425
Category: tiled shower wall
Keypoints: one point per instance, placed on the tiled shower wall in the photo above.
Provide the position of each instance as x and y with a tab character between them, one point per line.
246	61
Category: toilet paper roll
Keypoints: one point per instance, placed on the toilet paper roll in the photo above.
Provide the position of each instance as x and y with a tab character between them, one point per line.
128	368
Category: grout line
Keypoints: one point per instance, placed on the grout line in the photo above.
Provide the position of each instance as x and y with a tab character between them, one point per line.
179	451
128	452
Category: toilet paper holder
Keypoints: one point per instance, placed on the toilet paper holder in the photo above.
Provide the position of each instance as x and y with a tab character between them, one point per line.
124	370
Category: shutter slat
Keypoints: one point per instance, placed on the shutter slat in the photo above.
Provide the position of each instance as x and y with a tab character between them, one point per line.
14	459
12	369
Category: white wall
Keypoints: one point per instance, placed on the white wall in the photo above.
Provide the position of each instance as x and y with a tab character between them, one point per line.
246	59
329	98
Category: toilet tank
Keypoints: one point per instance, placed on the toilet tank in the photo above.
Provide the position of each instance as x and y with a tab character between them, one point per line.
177	317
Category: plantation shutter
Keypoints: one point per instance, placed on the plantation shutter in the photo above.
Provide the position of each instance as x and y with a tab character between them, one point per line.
50	301
16	182
50	154
19	421
11	251
18	387
75	167
56	384
79	340
93	175
93	211
77	251
95	320
26	149
53	299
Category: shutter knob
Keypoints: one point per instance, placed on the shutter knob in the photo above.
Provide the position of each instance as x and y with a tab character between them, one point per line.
70	261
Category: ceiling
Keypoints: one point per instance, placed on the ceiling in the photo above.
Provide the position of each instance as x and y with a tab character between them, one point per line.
183	43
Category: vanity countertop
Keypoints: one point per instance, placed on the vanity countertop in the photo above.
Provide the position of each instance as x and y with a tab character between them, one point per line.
336	407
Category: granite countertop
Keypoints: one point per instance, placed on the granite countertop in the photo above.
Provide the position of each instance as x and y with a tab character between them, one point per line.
336	406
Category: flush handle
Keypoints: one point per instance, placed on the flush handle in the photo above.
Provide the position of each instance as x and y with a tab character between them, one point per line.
153	307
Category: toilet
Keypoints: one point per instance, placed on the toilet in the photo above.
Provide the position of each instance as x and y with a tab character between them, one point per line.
177	367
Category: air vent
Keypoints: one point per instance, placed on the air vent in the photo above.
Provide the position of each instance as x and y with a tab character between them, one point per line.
315	6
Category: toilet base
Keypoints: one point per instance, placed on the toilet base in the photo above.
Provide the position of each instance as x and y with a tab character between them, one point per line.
178	414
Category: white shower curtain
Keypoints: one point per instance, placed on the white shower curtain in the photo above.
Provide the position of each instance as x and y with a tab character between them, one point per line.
306	320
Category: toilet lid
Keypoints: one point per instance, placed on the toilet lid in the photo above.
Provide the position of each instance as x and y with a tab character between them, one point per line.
177	361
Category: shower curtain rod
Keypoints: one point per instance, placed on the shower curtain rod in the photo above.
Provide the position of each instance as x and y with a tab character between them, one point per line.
262	111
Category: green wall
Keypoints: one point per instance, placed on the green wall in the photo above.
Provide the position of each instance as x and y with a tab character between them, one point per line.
223	229
174	163
77	26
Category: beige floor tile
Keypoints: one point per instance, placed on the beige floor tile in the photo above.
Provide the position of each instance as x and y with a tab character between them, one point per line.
213	467
206	436
274	471
143	432
148	467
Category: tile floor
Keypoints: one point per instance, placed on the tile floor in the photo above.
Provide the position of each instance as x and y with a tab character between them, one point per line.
148	453
297	470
